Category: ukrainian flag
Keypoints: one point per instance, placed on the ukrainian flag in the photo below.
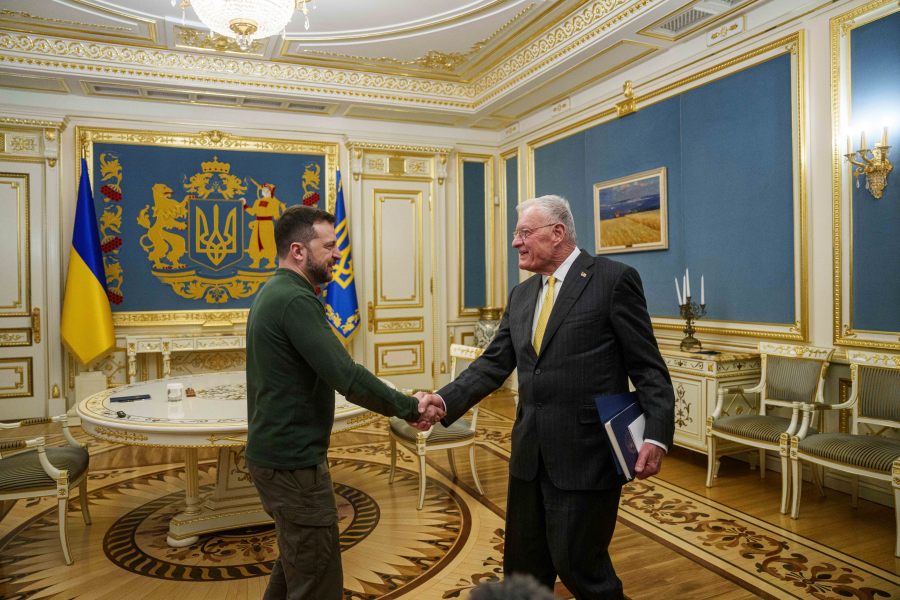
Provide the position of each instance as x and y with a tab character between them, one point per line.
87	328
341	307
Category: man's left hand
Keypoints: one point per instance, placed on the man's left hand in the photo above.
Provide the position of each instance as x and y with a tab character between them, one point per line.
649	460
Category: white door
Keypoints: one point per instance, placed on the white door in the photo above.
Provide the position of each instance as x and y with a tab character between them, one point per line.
398	283
23	318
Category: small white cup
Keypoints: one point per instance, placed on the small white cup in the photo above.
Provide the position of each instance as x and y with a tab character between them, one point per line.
174	392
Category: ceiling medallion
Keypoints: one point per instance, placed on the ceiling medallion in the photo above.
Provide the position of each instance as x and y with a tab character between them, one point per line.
247	20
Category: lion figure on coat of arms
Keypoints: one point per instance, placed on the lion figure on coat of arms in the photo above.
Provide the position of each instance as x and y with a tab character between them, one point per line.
160	243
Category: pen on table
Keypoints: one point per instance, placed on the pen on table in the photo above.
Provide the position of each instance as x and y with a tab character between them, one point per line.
129	398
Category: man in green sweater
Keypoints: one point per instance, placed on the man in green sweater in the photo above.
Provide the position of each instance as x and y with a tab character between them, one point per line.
294	365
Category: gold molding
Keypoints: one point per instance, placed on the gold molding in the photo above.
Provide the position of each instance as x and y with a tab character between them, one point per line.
793	44
19	366
15	337
400	325
542	52
403	148
31	123
21	182
417	199
843	333
487	161
504	206
416	346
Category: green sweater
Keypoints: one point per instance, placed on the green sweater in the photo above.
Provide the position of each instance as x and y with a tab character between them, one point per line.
294	365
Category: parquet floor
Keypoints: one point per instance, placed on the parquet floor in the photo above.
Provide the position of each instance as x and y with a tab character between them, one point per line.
675	538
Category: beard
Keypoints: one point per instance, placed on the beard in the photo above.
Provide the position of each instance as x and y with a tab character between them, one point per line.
319	273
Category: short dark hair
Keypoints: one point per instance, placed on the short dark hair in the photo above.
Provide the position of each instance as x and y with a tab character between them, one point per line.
517	586
296	226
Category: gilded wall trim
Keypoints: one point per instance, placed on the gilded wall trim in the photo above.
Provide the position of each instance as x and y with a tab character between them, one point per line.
489	239
576	30
504	247
843	332
20	185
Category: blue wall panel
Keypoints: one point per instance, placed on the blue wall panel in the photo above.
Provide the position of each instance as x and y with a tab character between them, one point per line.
738	179
512	199
727	148
474	270
875	81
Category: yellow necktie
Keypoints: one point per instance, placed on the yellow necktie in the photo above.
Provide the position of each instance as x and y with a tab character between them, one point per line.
544	315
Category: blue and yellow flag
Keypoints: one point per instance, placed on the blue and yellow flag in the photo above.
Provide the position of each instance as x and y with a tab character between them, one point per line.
341	306
87	328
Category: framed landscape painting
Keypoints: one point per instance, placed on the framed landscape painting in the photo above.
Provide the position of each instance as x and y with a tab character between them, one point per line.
630	213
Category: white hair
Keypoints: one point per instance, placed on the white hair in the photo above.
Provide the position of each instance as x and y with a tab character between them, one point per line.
555	208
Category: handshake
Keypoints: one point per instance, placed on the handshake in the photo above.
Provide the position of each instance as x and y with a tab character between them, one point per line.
431	410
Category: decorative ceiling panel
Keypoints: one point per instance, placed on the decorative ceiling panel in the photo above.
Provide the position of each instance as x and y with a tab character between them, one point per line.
80	19
478	62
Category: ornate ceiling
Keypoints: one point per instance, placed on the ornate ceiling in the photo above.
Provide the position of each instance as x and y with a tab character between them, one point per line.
483	63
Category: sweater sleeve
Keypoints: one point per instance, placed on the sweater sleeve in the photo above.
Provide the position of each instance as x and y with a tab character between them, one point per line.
304	322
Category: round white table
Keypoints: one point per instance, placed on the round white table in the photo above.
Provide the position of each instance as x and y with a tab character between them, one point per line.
212	414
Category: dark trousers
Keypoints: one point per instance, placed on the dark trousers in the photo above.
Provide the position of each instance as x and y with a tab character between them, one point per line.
552	532
302	504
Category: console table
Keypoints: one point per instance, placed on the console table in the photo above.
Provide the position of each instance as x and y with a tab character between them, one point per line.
165	345
697	378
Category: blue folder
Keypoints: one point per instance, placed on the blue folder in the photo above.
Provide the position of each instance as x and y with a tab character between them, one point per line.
611	405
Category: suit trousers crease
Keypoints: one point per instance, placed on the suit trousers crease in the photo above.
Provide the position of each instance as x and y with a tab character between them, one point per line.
301	502
550	532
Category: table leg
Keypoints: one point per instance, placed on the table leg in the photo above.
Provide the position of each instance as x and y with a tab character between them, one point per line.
191	482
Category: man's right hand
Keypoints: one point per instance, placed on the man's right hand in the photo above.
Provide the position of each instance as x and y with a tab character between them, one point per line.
431	410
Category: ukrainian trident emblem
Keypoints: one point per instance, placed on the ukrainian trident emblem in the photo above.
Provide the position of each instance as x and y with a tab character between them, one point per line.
211	221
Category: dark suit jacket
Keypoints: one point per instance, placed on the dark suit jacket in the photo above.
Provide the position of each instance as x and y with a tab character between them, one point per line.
599	334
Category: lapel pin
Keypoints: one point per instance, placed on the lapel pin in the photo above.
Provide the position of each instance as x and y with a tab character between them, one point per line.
583	274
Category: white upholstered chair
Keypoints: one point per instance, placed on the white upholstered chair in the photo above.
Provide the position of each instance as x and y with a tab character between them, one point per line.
41	471
790	375
459	434
871	448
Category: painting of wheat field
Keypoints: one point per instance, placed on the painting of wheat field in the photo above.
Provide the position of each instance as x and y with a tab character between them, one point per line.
630	213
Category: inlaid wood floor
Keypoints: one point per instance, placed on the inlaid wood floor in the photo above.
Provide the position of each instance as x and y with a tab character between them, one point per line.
675	538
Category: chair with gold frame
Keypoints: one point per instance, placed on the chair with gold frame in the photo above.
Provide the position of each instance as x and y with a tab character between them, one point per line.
459	434
41	471
790	375
875	405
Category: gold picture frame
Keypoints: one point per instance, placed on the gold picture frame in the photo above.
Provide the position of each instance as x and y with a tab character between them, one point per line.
631	213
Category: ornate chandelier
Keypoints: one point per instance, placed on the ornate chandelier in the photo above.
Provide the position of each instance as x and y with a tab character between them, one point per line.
247	20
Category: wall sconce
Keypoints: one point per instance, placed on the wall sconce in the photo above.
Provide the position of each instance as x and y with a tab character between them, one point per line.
876	168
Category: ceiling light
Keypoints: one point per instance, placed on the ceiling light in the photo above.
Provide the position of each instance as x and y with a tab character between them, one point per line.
248	20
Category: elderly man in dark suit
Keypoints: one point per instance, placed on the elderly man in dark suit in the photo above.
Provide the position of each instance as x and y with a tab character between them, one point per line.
577	329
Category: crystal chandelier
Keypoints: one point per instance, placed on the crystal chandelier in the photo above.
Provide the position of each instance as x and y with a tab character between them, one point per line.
247	20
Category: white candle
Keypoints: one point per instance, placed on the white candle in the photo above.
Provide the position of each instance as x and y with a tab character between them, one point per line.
849	146
702	292
678	292
687	283
884	136
862	139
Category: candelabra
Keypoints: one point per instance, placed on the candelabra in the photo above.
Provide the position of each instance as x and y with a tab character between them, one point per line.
690	312
876	169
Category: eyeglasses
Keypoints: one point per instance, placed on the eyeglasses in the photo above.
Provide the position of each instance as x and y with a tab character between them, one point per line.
523	234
